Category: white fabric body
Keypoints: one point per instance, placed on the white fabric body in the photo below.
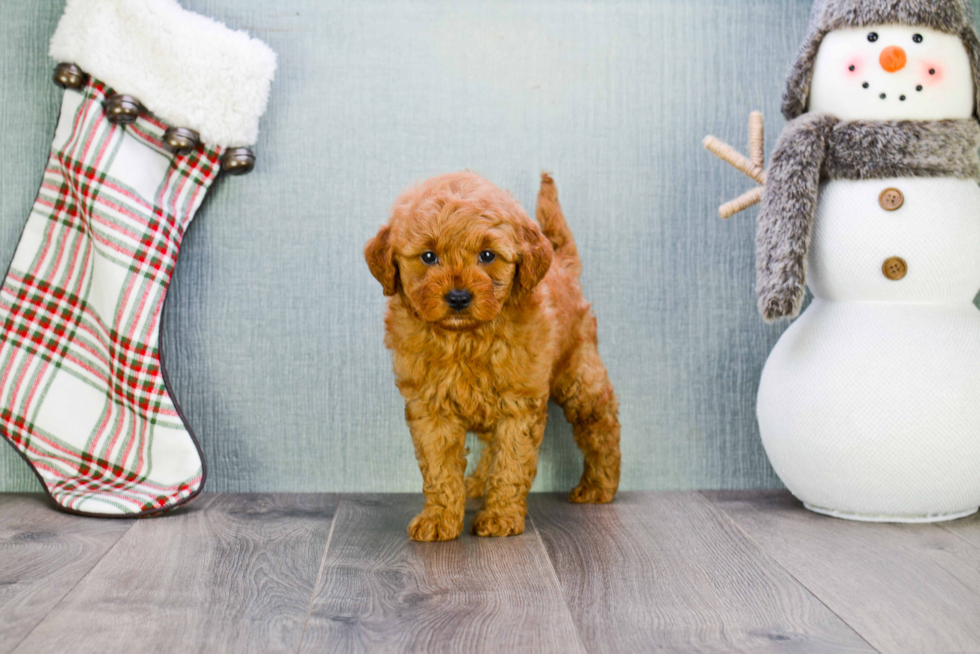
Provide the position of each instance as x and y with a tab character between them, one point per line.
869	405
871	409
187	69
839	91
936	231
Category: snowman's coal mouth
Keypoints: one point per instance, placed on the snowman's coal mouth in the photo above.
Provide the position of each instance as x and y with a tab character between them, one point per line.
884	96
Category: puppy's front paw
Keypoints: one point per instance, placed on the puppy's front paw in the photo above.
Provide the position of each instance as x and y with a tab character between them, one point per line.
498	524
431	526
588	494
475	487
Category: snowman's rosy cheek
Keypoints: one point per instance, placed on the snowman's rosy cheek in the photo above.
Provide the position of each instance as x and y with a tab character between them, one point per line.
854	66
931	73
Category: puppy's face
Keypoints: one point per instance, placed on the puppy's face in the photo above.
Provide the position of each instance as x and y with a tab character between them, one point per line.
457	249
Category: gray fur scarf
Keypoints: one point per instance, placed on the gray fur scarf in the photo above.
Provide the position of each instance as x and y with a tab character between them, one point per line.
818	147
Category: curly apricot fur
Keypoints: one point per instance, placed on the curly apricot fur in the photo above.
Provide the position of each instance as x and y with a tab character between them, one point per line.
527	335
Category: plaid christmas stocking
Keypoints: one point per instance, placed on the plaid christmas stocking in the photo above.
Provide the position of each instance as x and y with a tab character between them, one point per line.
157	102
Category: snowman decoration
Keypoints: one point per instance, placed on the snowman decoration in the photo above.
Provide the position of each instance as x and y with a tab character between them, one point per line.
869	405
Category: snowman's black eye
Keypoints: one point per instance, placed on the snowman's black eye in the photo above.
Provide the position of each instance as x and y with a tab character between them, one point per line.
917	38
873	37
429	258
487	256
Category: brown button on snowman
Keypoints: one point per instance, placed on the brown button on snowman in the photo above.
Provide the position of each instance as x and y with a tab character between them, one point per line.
872	202
891	199
895	268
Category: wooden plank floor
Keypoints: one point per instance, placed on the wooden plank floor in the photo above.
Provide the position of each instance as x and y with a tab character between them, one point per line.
664	572
671	571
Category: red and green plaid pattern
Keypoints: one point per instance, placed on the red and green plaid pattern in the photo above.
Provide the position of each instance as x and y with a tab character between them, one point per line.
82	392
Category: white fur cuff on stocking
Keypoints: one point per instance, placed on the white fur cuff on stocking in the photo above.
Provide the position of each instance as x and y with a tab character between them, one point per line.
188	70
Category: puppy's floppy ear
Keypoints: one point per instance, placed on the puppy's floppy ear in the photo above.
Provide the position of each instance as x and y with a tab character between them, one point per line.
536	256
380	258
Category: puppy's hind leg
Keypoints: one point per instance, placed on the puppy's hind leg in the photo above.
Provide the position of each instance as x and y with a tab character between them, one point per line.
477	482
440	445
584	391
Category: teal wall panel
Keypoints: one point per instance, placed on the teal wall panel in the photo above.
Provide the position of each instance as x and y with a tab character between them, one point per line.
273	331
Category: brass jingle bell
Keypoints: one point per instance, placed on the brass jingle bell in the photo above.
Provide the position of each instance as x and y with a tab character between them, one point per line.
69	76
238	161
181	140
122	109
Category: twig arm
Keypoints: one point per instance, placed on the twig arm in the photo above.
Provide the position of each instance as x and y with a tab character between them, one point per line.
741	203
752	166
757	139
738	161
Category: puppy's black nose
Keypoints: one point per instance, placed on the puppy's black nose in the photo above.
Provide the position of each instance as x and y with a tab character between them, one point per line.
459	300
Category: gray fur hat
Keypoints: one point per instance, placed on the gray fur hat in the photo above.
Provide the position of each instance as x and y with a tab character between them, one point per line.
949	16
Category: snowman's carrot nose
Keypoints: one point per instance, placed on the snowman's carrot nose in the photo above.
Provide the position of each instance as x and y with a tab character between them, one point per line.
893	59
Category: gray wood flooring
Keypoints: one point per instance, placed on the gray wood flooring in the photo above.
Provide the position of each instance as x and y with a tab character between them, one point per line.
665	572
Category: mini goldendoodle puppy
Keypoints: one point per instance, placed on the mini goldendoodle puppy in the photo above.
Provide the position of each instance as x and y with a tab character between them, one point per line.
487	321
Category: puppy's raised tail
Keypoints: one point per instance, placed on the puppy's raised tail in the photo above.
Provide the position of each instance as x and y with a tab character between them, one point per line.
554	226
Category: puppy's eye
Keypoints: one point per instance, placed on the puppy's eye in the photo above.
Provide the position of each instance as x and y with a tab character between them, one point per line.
873	37
917	38
429	258
487	256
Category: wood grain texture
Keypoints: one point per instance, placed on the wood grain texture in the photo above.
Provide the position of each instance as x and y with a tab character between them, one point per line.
904	588
669	572
43	555
230	573
381	592
968	529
